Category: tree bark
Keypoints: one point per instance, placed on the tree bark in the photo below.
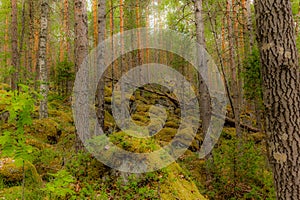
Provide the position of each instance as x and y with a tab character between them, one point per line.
233	70
42	60
281	84
14	44
205	107
101	38
81	32
95	22
81	51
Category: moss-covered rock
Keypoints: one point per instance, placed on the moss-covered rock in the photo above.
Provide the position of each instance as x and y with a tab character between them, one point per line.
45	129
13	174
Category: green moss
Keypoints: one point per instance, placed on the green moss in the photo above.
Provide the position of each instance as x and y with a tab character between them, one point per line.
141	117
13	174
107	100
178	186
107	91
171	124
166	134
142	108
133	144
43	129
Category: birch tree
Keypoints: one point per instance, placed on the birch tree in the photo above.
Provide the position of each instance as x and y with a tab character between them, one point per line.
42	64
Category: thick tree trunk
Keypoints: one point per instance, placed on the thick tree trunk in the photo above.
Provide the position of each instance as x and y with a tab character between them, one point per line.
42	60
81	49
81	32
14	44
281	84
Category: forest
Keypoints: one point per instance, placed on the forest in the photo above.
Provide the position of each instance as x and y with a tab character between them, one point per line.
149	99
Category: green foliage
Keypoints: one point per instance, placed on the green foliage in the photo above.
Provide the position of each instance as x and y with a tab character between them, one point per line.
240	171
135	187
60	185
64	75
252	76
20	106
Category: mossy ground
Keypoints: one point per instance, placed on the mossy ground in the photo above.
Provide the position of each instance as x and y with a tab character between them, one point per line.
54	139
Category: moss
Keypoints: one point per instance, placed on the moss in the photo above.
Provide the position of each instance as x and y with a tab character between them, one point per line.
141	117
172	124
132	144
13	174
37	143
48	160
108	120
61	116
4	86
45	129
142	108
229	133
107	100
257	137
12	193
107	91
166	134
178	186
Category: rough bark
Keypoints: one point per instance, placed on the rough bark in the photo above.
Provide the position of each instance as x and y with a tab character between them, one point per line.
14	44
281	85
81	50
101	38
6	42
233	70
64	45
95	22
81	32
42	60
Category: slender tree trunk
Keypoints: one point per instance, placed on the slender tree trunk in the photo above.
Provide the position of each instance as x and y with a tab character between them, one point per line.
101	38
234	83
14	44
95	21
281	85
62	38
22	40
64	44
42	60
205	107
6	46
36	47
31	36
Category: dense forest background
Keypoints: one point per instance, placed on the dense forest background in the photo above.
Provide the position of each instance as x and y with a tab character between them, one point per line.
43	44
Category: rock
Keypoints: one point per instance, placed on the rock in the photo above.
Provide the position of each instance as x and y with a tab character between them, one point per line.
13	174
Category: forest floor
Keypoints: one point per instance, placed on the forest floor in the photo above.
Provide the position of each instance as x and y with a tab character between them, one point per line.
42	163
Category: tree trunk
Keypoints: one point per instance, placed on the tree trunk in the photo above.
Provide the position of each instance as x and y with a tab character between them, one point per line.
14	44
101	38
205	107
95	22
234	81
42	60
281	84
6	46
81	32
81	49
